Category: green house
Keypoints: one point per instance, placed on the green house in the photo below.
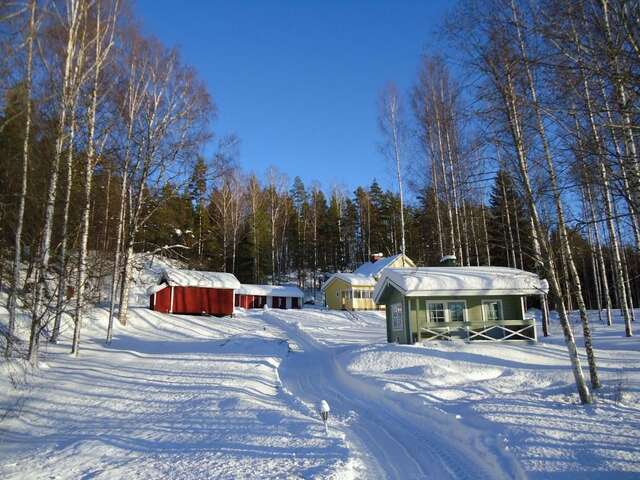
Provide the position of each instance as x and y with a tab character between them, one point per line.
469	303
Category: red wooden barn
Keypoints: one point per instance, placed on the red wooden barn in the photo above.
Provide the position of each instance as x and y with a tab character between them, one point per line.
194	292
273	296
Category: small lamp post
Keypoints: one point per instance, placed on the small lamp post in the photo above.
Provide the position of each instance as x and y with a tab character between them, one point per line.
324	413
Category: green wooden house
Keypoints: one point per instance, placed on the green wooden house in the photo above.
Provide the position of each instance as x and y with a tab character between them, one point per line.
469	303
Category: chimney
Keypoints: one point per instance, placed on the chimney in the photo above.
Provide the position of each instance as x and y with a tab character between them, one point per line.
449	261
375	257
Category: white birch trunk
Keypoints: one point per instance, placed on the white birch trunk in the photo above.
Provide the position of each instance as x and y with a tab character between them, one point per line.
39	311
566	247
17	259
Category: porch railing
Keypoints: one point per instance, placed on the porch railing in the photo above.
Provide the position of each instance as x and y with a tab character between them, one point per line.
494	331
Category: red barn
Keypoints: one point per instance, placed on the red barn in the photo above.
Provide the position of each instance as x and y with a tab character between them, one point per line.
194	292
273	296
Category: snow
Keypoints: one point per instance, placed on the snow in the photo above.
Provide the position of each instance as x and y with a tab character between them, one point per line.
270	290
178	396
354	279
195	278
516	403
374	269
447	281
172	397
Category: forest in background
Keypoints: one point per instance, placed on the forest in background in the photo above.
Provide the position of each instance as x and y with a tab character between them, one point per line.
520	151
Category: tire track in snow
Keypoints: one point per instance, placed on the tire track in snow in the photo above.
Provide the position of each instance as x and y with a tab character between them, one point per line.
397	436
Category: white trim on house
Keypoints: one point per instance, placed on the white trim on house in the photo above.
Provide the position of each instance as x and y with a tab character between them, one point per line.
490	301
447	310
171	301
392	311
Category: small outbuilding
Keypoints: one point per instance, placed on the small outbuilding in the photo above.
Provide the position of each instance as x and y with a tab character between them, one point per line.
194	292
273	296
469	303
354	291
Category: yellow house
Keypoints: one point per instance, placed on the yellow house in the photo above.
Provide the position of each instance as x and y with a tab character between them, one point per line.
354	291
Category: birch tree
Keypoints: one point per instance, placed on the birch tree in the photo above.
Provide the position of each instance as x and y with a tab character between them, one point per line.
103	40
73	18
17	259
393	129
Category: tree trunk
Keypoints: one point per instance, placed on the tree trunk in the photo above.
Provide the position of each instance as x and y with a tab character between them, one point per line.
17	259
73	15
62	280
566	246
513	117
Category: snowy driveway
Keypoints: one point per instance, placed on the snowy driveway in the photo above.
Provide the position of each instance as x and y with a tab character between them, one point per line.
395	436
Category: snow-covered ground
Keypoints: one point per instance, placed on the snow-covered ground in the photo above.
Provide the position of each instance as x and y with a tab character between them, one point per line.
172	397
199	397
517	398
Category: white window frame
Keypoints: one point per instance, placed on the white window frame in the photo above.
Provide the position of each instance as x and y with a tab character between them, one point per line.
436	302
393	308
464	310
447	314
488	302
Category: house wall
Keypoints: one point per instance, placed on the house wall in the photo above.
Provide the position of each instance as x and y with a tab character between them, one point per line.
415	319
161	300
332	297
362	303
511	308
196	300
398	263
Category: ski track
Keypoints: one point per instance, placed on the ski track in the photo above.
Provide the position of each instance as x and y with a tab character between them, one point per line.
393	439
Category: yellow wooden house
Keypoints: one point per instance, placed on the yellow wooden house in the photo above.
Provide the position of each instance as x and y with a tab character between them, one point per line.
354	291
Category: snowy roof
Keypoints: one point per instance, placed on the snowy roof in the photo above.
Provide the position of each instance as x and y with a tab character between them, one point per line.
375	268
448	281
196	278
270	290
353	279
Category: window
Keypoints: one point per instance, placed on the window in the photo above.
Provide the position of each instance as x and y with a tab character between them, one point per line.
456	311
492	310
435	312
396	316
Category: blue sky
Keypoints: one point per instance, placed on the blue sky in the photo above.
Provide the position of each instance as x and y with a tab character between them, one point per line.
298	81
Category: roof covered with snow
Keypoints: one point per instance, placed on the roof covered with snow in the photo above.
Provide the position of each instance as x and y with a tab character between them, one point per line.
460	281
195	278
270	290
353	279
375	268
